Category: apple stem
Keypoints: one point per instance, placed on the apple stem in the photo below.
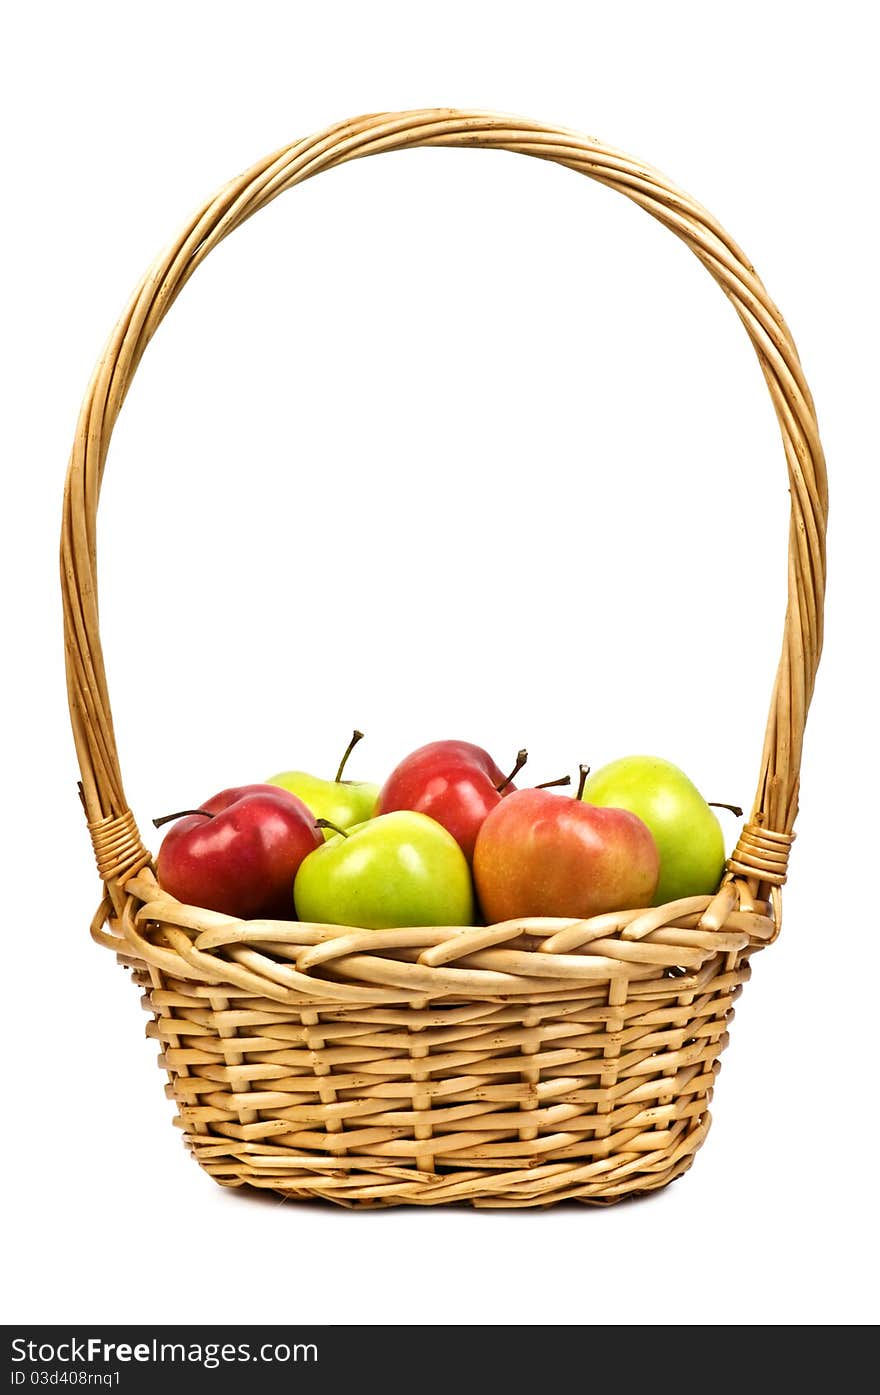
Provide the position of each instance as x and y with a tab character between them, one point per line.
356	736
551	784
325	823
521	758
734	808
181	813
584	772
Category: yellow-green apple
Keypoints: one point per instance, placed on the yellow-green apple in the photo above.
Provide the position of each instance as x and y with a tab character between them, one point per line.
688	835
342	802
396	869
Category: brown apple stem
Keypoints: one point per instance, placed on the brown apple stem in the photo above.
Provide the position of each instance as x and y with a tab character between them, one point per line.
356	736
181	813
521	758
325	823
551	784
734	808
584	772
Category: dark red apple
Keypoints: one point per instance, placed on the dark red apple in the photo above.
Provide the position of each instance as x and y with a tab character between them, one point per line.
542	854
454	782
239	852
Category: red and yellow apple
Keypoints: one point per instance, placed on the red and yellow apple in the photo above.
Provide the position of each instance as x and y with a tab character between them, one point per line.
543	854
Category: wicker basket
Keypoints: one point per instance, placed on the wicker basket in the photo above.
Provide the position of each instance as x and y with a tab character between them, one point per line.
503	1065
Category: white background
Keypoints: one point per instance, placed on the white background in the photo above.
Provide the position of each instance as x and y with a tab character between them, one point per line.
444	444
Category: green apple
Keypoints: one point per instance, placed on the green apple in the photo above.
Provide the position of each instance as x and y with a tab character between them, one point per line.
398	869
340	802
687	833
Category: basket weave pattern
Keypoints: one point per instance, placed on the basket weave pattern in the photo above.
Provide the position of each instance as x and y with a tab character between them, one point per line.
503	1065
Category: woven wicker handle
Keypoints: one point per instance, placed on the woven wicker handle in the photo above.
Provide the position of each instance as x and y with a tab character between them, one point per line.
762	851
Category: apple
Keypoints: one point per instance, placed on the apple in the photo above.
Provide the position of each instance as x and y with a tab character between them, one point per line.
542	854
342	802
238	852
454	782
397	869
687	833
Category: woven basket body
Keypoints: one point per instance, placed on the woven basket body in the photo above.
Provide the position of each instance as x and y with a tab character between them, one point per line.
502	1065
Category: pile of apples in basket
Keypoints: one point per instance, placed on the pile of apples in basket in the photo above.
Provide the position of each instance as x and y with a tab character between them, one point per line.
448	839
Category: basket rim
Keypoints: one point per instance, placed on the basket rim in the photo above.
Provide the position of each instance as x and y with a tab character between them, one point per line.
528	958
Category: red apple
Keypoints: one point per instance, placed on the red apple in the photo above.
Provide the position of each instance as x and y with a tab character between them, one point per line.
541	854
453	782
239	852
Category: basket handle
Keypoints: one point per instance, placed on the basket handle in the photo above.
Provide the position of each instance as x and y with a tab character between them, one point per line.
762	852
